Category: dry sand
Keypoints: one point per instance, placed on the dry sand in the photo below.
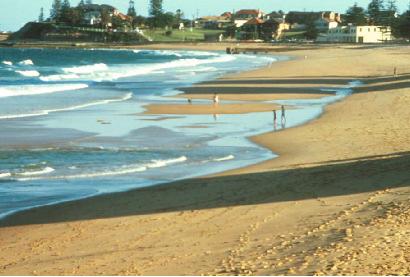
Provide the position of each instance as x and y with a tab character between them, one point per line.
336	201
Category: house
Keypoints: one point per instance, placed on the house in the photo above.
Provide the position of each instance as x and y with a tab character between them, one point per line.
323	21
324	24
213	22
227	15
243	16
93	12
258	29
328	20
357	34
280	19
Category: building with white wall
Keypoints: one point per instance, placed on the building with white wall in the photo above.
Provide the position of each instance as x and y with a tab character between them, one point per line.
357	34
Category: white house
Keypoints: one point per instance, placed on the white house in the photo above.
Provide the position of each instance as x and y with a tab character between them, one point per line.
324	24
358	34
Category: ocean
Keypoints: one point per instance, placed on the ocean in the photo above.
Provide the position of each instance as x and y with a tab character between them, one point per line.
72	123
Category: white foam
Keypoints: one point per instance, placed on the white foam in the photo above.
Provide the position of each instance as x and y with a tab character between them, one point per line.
43	171
26	62
7	63
104	73
201	53
5	175
86	69
29	73
61	77
159	52
128	169
227	158
9	91
162	163
46	112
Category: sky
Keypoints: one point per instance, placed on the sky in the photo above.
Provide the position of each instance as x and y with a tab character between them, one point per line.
15	13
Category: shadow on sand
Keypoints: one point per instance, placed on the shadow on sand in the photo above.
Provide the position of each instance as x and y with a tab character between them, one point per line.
308	181
313	85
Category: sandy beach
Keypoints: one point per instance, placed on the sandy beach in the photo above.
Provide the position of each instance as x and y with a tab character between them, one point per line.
335	202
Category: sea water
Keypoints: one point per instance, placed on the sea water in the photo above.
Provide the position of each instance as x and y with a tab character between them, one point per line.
72	122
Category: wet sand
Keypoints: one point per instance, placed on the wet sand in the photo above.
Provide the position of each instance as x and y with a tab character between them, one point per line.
335	202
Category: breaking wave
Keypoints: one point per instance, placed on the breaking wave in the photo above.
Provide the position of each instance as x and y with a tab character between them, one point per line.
227	158
77	107
45	170
26	62
123	170
102	72
9	91
5	175
28	73
9	63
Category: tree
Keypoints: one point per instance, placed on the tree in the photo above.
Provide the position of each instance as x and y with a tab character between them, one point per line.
81	4
311	31
356	15
41	16
55	10
155	9
105	18
66	12
374	11
139	21
401	28
65	5
178	16
392	6
391	11
131	9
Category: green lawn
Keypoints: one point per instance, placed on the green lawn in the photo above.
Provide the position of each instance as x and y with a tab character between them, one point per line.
177	35
291	35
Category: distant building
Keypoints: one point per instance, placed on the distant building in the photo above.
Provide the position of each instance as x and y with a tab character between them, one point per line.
243	16
328	20
259	29
324	24
323	21
213	22
93	13
227	15
357	34
280	19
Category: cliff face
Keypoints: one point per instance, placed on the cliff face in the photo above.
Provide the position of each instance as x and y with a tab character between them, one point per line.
54	32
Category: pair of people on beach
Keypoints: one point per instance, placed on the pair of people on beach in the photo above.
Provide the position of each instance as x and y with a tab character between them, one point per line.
283	116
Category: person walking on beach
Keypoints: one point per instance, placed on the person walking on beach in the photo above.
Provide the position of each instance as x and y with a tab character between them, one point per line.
283	117
274	119
216	99
395	72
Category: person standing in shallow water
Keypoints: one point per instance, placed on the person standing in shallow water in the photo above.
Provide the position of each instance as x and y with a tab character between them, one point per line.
283	118
274	116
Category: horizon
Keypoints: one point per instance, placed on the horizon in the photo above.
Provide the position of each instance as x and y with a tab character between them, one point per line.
30	11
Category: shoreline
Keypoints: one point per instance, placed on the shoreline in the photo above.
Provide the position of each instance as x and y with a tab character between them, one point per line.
241	108
248	105
351	159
